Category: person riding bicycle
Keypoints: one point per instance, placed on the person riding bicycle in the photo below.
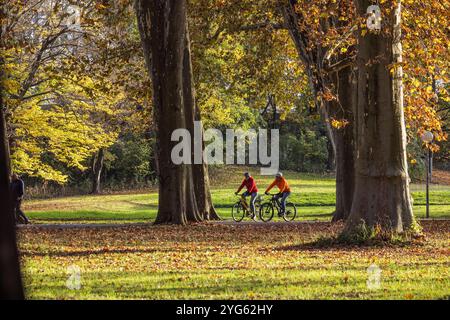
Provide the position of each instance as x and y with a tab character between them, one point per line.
252	190
284	193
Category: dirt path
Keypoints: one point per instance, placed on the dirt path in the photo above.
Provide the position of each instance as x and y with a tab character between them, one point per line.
127	225
54	226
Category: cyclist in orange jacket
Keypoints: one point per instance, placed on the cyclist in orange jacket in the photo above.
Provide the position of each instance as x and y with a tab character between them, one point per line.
285	191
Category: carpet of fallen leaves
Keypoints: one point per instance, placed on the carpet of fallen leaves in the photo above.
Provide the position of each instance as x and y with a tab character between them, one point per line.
228	261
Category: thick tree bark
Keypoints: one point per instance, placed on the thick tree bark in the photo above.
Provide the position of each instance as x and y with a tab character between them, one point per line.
183	189
343	137
199	171
97	169
382	197
10	278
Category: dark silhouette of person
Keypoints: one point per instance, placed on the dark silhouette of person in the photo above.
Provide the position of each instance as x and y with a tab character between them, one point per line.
17	192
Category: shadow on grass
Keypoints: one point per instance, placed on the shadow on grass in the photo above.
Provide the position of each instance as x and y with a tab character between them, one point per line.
82	253
314	215
334	242
62	220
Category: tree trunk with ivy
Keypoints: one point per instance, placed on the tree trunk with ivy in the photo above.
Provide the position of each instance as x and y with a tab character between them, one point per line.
382	196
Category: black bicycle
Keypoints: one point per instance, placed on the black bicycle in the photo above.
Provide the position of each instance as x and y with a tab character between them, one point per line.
241	209
267	210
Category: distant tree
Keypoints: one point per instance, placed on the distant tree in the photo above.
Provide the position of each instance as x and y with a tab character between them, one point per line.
71	89
49	103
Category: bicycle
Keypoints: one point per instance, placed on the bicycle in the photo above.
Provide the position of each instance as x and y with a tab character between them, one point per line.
267	209
241	209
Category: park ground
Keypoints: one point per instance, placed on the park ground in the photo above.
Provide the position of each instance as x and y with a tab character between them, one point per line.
131	259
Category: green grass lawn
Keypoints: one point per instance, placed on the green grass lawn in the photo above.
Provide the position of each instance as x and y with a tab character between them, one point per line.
313	194
225	261
219	261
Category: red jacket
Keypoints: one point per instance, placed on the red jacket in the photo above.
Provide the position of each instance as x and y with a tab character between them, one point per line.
249	184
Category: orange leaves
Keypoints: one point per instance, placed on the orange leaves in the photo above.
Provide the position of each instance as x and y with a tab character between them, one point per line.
314	21
100	6
427	60
339	123
421	108
202	246
327	95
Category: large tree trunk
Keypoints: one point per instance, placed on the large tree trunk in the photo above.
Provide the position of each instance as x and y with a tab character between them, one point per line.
97	168
10	278
343	137
382	197
183	196
199	171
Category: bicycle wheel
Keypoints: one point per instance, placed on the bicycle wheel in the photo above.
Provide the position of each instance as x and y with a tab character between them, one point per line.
237	212
266	212
290	213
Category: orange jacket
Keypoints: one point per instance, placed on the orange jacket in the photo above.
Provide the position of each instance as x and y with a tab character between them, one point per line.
281	184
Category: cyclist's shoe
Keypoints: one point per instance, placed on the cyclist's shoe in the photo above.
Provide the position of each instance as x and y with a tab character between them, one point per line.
281	214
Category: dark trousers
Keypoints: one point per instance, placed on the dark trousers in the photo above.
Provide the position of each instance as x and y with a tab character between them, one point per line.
253	196
18	213
283	196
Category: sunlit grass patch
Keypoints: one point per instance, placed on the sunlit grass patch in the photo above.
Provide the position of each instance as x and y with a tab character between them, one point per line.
211	261
314	196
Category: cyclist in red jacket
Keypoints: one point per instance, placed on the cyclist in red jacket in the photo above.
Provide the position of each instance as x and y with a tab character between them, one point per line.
252	190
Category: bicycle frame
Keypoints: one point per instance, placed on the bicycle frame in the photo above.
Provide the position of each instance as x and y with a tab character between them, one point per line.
275	202
243	202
